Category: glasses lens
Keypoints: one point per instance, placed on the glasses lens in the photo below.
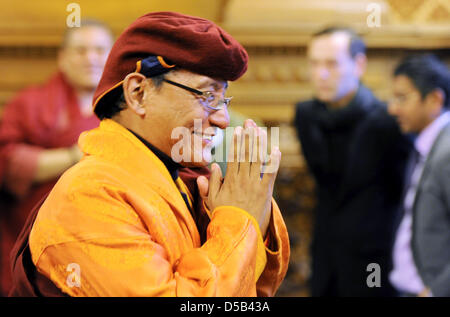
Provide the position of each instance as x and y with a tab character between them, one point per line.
224	103
209	98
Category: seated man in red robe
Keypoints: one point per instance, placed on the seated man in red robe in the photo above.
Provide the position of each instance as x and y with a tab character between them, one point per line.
40	127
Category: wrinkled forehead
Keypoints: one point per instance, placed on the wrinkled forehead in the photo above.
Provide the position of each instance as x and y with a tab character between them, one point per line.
197	81
402	84
88	36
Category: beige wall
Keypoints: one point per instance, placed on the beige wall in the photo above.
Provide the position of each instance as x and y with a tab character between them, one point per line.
42	22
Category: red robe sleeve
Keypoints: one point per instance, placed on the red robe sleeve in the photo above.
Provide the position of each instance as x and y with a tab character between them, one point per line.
18	160
40	117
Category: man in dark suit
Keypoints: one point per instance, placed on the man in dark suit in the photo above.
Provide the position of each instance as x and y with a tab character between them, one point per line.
356	154
420	104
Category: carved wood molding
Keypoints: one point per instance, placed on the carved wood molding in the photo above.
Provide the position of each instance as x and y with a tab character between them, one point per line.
291	22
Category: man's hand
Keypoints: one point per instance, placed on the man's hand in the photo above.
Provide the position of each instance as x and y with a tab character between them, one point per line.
75	153
243	185
53	162
426	292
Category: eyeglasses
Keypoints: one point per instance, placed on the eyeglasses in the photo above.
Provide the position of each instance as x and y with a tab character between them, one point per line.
209	99
401	99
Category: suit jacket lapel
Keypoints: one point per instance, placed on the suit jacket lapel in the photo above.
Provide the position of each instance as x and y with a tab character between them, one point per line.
426	169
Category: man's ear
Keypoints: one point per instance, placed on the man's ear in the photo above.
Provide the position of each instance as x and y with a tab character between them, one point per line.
434	101
134	92
361	64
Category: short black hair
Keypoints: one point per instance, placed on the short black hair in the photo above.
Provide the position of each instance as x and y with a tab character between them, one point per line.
427	73
114	101
357	45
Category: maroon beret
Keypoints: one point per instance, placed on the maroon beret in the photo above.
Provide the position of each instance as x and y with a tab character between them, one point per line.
159	40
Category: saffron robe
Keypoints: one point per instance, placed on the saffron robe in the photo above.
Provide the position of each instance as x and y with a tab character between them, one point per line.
40	117
28	282
119	220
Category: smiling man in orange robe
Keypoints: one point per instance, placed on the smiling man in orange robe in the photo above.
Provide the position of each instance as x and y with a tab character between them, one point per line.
121	222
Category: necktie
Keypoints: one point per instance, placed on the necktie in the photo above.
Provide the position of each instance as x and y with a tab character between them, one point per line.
408	186
412	162
414	179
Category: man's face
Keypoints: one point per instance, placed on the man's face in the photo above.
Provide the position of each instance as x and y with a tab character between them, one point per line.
333	72
408	107
84	56
179	122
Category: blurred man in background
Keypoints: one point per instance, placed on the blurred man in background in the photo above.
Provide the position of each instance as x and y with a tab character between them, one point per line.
40	127
356	154
422	246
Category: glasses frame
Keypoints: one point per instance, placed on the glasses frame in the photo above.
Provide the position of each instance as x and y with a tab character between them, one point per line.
400	100
221	104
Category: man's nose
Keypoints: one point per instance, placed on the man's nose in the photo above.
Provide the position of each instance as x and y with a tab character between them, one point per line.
91	55
392	108
220	118
322	72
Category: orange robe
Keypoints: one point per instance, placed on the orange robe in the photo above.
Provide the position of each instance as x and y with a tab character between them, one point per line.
116	224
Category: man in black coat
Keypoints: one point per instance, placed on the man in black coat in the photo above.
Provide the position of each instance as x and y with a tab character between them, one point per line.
356	154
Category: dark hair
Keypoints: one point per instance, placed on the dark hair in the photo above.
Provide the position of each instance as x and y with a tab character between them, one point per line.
114	101
357	45
427	73
87	22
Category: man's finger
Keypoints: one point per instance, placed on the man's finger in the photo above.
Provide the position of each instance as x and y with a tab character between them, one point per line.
203	186
246	149
271	169
214	181
249	123
255	167
263	145
233	153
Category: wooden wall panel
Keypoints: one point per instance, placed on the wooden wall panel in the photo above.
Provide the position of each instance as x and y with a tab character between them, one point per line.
290	22
21	67
43	22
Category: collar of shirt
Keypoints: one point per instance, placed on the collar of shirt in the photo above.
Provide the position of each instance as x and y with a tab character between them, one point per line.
170	164
426	138
346	117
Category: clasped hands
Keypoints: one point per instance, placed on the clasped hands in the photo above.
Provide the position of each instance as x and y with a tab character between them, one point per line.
249	180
